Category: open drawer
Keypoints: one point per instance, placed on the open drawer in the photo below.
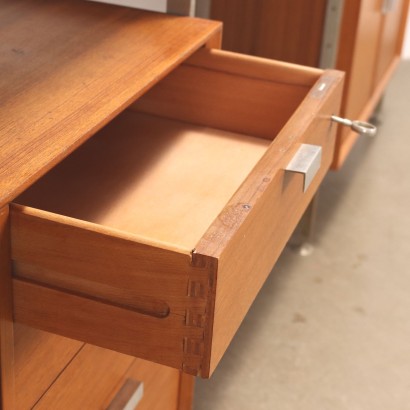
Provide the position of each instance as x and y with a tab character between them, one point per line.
155	236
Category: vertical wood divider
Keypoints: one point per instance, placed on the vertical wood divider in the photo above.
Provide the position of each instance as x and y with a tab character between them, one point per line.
7	401
186	391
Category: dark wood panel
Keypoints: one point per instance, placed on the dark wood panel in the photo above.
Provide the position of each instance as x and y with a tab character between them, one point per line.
289	30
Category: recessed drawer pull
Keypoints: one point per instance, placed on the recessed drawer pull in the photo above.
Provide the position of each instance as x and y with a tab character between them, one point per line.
306	161
128	397
361	127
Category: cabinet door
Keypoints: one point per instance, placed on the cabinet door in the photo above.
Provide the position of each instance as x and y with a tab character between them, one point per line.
360	86
358	54
390	35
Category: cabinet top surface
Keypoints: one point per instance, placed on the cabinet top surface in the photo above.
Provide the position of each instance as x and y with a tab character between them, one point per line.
68	67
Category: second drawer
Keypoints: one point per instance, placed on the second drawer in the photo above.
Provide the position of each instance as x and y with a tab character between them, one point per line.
96	377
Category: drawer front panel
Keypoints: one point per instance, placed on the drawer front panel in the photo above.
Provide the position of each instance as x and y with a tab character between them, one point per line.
39	357
161	385
94	379
88	382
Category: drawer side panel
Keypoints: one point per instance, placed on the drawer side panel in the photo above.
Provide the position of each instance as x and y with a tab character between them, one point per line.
82	281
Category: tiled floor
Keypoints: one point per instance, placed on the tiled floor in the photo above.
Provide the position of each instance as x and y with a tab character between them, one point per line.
331	331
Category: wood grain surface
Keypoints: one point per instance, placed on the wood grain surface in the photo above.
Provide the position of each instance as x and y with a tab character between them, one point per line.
69	67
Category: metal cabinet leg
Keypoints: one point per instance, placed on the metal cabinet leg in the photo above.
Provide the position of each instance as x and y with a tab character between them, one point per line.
303	237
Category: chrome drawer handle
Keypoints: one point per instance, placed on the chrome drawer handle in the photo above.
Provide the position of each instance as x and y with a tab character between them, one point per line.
128	397
306	161
361	127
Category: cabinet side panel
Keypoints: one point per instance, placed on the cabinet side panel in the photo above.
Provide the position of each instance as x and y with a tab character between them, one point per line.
7	401
390	38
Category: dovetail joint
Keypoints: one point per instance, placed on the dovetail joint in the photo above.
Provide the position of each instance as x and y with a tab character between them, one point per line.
193	346
195	317
196	289
190	369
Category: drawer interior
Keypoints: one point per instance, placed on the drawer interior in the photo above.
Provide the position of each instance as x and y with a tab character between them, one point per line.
165	168
163	180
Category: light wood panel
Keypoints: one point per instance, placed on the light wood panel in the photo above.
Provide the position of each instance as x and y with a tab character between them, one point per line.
40	357
163	180
289	30
59	89
7	385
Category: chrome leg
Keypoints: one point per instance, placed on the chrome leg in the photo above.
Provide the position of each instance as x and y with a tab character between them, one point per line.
303	236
